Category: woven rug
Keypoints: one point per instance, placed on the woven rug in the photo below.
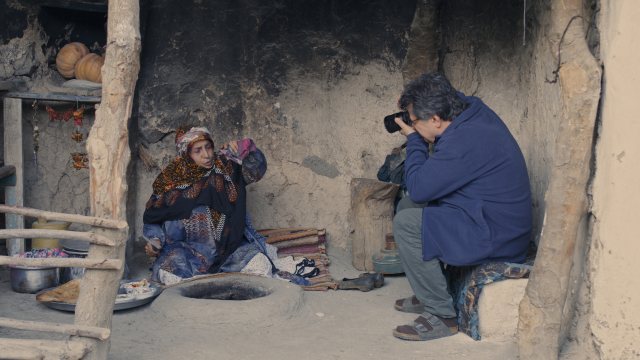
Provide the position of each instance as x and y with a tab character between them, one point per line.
304	243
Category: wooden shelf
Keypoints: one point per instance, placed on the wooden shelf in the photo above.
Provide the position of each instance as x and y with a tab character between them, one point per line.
32	96
95	6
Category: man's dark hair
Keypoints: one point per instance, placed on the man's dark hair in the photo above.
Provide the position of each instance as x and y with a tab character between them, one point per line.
432	94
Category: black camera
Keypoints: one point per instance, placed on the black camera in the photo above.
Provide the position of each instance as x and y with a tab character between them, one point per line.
390	122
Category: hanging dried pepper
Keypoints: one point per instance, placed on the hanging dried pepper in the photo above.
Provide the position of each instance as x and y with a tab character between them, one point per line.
77	136
79	159
53	115
77	117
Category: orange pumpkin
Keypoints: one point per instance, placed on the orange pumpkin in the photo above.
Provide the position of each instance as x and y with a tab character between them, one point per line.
88	68
68	56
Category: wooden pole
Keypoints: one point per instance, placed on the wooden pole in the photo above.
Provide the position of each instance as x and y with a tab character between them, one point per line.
541	309
422	52
41	349
57	234
86	331
78	219
103	264
13	195
109	155
372	216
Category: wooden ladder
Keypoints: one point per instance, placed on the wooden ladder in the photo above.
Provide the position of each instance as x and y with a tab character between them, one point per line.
92	322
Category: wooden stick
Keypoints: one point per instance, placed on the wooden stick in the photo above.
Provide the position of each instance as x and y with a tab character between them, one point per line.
14	195
41	349
56	234
296	236
102	264
7	170
79	330
80	219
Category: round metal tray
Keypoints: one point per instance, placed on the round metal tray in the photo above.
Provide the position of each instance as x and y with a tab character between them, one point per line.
123	305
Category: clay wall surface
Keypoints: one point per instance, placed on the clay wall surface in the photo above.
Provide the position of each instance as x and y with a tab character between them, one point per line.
308	81
607	327
488	59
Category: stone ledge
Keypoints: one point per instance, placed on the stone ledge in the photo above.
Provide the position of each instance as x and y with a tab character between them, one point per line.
498	309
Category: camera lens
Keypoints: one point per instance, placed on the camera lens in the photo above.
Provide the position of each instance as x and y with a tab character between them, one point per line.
390	121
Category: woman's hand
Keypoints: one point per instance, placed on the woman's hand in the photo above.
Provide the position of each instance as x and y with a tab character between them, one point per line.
233	144
150	250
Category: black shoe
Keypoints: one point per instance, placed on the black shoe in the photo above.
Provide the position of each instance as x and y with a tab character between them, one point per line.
378	278
362	284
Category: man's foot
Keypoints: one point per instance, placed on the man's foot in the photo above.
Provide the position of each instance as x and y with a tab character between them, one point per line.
410	305
427	327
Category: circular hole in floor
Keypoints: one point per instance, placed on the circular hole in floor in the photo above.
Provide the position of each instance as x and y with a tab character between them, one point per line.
226	290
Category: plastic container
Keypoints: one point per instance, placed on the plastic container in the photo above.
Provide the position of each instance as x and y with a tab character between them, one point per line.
41	243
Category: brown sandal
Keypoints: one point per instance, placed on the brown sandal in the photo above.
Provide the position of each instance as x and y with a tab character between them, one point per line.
427	327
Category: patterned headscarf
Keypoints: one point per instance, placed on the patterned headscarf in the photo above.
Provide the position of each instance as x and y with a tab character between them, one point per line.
183	170
187	135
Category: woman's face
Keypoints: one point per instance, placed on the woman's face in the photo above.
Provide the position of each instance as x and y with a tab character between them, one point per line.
202	153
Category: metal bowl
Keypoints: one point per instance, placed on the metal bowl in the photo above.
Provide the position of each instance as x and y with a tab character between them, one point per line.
75	249
30	280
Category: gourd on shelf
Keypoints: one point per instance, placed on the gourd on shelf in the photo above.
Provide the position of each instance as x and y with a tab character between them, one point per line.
68	57
88	68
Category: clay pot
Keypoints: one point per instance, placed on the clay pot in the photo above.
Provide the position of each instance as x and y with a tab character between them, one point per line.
68	56
88	68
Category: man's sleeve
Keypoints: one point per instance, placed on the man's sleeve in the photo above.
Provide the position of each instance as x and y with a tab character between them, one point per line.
430	178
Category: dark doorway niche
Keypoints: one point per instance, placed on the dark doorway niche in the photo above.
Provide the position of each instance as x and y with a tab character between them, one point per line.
226	290
68	25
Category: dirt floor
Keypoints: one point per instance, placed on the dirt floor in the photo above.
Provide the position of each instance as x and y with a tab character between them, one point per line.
288	324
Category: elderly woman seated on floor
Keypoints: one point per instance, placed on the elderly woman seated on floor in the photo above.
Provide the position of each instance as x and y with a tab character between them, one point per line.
196	221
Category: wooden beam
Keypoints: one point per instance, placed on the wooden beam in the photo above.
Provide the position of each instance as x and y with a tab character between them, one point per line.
79	330
542	307
32	96
79	219
41	349
102	264
57	234
7	170
109	156
13	195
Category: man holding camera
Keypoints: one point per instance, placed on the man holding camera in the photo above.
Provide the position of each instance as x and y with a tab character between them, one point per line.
477	189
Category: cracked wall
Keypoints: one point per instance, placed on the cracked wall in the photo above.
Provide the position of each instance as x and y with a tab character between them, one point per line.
54	184
309	81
